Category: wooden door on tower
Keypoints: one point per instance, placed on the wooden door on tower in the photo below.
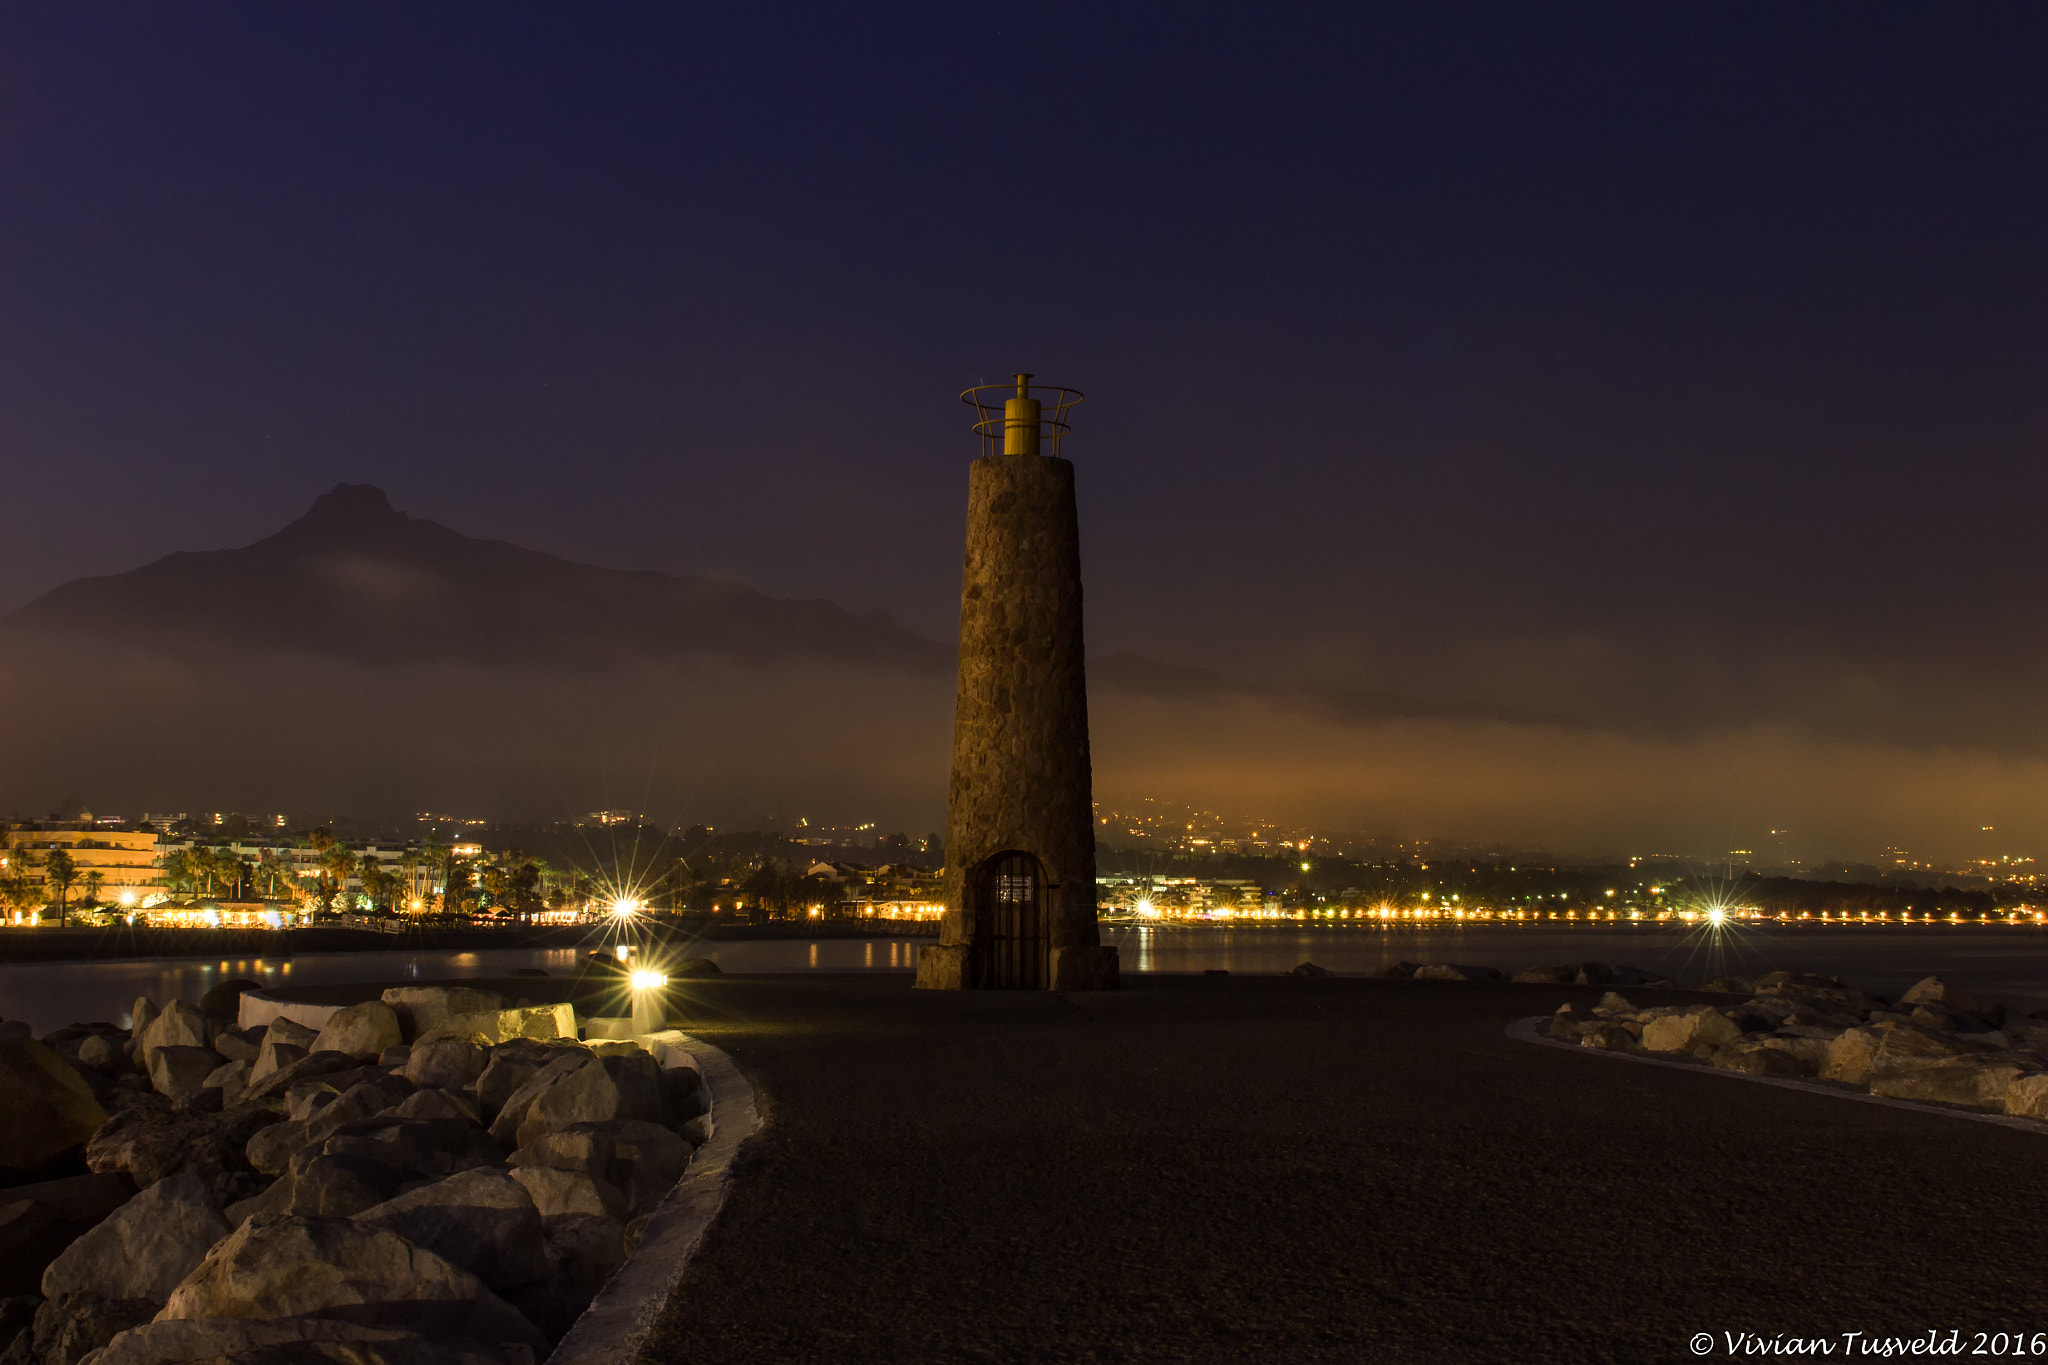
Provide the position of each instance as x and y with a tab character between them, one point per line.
1010	944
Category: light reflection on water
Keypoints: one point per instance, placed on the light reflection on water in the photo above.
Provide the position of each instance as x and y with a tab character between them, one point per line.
51	994
2007	962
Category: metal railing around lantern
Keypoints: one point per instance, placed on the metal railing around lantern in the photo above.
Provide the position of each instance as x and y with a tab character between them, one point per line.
1019	424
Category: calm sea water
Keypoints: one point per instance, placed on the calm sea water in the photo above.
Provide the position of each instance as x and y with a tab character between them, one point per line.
2008	963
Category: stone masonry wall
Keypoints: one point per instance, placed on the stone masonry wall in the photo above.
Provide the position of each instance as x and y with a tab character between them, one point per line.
1021	774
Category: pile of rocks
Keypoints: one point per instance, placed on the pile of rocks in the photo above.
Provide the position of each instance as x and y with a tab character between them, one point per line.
1584	974
428	1177
1935	1043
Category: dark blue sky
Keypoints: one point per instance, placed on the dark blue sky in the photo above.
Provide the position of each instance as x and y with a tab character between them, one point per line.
1667	364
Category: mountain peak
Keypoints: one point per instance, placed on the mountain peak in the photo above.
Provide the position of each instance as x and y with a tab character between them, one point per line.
353	505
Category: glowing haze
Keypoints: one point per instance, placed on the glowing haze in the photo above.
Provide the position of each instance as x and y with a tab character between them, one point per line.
1612	428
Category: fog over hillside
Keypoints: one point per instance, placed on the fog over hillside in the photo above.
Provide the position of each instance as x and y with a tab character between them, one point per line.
362	661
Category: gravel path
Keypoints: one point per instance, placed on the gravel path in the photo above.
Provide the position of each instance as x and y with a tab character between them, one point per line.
1222	1169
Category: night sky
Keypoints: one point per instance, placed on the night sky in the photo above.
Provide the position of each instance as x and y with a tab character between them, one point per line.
1674	369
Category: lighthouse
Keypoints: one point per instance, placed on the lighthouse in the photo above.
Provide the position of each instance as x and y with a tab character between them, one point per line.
1020	819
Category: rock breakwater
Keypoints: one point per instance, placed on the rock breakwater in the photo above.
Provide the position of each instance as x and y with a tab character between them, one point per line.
1936	1043
429	1176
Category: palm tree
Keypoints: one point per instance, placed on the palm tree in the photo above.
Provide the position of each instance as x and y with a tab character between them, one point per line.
336	865
62	874
94	882
495	880
454	879
274	873
177	868
381	884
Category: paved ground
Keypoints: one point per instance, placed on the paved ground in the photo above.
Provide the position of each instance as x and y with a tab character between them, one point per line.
1222	1169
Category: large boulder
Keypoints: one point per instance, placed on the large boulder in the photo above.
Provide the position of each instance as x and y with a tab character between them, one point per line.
48	1109
148	1145
73	1326
1932	990
1607	1036
570	1192
421	1008
276	1084
231	1078
285	1041
447	1063
354	1272
429	1103
482	1220
556	1193
270	1150
1978	1080
180	1025
1909	1040
480	1028
505	1127
1455	971
275	1057
286	1341
360	1030
179	1073
647	1161
583	1249
1810	1053
341	1186
276	1197
1850	1056
1696	1031
1546	976
141	1015
627	1087
38	1221
1757	1059
508	1069
584	1148
240	1044
537	1021
419	1147
2027	1097
145	1247
224	1001
1824	992
102	1054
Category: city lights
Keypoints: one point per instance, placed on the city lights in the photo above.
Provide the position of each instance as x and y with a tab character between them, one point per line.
647	981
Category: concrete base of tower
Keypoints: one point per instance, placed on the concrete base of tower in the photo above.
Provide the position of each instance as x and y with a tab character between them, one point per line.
945	967
942	967
1085	969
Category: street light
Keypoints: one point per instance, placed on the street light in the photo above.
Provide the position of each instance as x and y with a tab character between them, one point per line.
650	1002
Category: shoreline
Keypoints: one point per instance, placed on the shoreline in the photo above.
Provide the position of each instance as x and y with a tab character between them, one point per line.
96	945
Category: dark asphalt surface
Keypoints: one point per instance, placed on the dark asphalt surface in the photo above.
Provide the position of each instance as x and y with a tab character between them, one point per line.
1224	1169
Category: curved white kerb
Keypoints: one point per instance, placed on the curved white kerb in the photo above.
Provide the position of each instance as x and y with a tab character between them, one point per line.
612	1330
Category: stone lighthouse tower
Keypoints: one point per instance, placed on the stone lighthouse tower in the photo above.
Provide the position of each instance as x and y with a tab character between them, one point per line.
1020	823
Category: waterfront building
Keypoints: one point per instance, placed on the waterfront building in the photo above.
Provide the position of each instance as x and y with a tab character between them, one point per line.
120	862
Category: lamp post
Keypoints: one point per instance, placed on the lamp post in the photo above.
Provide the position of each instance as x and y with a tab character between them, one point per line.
650	1002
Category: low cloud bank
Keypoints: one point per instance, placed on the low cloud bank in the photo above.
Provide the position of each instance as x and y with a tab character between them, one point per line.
719	742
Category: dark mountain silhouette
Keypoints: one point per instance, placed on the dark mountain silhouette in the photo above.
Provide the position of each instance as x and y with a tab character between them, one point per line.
357	579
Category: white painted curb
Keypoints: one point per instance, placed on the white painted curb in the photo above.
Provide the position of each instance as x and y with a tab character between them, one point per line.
1530	1030
615	1326
258	1008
